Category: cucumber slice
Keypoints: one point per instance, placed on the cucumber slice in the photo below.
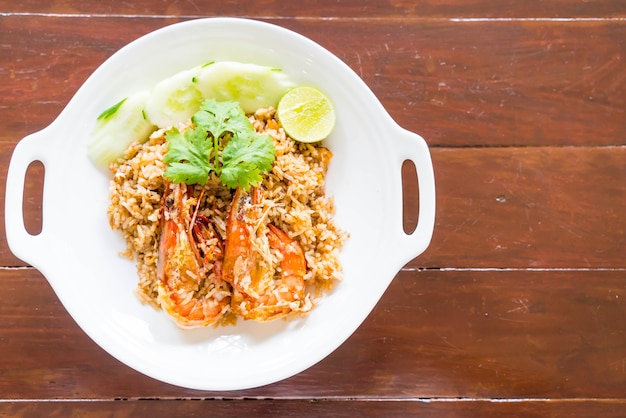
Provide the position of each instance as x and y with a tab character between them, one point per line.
253	86
118	127
174	99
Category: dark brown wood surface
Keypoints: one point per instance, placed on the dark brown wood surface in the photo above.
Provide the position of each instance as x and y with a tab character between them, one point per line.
517	308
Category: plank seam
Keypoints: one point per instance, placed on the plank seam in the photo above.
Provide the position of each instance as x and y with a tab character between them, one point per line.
403	18
322	399
530	269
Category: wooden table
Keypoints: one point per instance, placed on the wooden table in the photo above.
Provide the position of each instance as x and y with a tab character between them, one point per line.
518	307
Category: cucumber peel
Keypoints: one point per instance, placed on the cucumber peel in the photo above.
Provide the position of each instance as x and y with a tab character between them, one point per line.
174	99
118	127
252	86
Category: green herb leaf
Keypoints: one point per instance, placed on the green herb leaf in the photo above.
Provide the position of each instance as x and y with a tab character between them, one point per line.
221	117
222	140
188	156
245	158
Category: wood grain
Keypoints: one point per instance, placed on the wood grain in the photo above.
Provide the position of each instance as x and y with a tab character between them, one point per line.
399	9
517	307
305	408
467	83
435	334
538	207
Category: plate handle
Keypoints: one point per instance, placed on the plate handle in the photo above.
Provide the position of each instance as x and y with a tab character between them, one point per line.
411	146
30	149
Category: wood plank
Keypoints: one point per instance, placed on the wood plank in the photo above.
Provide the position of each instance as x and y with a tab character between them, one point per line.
540	207
545	335
459	83
316	408
529	207
329	8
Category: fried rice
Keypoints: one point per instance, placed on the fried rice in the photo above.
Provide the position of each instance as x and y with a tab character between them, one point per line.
294	200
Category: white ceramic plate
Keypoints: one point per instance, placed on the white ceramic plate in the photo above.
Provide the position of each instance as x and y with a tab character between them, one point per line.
78	253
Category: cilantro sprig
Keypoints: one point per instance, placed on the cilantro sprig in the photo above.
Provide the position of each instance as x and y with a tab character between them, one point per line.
222	140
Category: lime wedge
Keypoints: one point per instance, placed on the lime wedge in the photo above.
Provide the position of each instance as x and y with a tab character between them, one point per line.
307	114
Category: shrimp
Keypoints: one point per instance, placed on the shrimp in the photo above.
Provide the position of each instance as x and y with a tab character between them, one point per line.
241	265
190	287
260	290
